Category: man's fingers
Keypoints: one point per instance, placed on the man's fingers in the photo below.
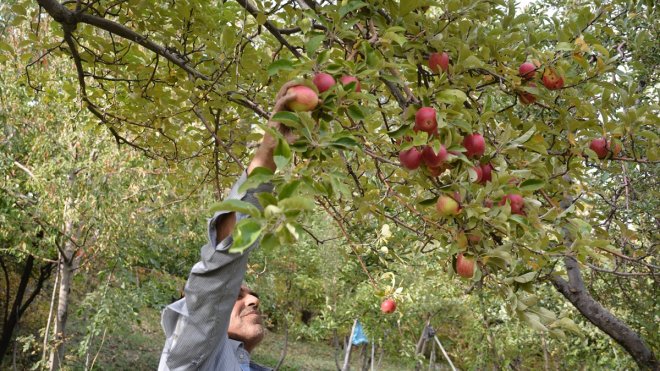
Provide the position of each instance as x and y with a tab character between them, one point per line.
283	101
283	90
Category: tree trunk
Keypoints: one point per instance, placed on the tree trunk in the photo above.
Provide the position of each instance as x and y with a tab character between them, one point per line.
12	320
575	291
349	346
65	271
66	276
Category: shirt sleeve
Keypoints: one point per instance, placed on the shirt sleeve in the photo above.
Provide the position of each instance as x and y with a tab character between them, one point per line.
196	325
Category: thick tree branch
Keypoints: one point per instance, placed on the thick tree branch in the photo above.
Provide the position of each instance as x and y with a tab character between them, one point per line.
69	19
575	291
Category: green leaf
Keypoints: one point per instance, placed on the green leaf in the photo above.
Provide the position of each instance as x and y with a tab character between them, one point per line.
282	154
532	184
534	321
525	137
351	6
313	44
287	118
452	96
355	112
564	46
246	232
408	6
527	277
297	203
397	38
287	190
279	65
344	143
258	176
261	18
429	201
269	242
568	324
472	62
238	206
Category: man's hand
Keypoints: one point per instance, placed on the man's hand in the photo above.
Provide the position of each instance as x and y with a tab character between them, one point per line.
264	155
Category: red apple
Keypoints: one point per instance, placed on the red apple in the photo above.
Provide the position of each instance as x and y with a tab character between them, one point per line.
551	79
464	266
475	145
516	202
323	81
527	70
447	206
411	158
345	80
306	98
425	120
486	173
600	146
480	173
527	97
432	159
439	62
388	306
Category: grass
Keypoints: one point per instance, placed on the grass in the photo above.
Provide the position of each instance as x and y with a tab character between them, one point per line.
308	356
132	346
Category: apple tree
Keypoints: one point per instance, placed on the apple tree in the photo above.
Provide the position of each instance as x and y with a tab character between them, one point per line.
500	143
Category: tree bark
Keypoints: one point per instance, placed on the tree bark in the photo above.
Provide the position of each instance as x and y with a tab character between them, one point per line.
65	271
575	291
12	320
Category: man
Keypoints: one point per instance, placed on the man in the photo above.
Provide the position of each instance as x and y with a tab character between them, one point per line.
217	324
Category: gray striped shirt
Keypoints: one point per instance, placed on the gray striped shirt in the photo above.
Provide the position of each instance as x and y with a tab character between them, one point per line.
196	326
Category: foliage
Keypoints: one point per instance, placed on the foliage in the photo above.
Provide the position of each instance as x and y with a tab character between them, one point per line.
189	84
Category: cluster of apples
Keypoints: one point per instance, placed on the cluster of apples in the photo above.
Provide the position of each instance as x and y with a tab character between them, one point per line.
551	79
307	99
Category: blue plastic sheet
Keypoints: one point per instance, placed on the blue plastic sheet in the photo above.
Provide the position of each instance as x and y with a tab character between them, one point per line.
358	335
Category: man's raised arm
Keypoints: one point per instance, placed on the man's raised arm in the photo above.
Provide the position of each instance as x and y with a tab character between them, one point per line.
196	326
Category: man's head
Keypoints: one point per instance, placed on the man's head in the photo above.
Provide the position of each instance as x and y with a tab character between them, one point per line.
245	322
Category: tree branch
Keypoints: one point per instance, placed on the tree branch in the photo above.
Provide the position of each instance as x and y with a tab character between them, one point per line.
575	291
69	19
270	27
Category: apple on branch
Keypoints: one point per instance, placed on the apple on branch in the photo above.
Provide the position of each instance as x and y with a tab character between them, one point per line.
306	98
516	202
604	148
527	97
323	81
486	173
464	266
425	120
527	70
552	79
432	159
388	306
600	146
447	206
410	158
345	80
438	62
475	145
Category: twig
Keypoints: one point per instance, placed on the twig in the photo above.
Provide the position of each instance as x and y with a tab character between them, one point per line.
270	27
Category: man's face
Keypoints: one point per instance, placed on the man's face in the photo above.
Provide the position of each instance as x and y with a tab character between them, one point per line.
245	322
